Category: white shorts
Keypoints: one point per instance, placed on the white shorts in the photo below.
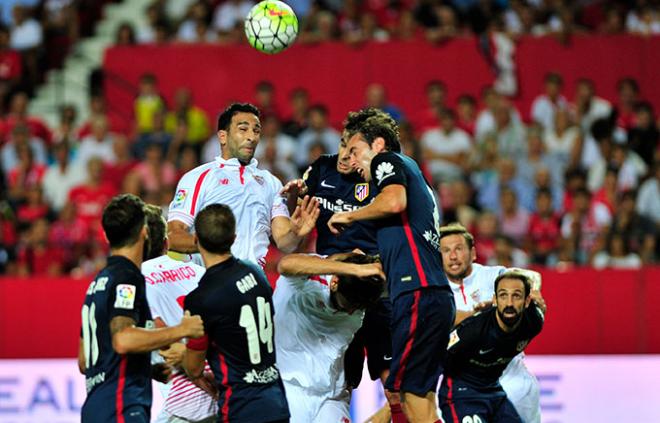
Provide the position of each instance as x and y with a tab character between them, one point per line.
522	389
306	407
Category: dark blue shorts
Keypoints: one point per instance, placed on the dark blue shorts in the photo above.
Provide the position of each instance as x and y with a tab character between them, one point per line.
106	413
458	400
372	339
421	322
254	403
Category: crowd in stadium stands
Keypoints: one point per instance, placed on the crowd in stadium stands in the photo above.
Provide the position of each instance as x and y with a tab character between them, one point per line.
578	183
355	21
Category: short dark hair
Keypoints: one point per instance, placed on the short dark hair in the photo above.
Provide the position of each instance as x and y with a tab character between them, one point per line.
123	219
264	86
215	227
380	127
148	78
513	274
360	292
554	78
436	83
467	98
224	120
543	192
157	231
627	81
354	120
456	228
447	114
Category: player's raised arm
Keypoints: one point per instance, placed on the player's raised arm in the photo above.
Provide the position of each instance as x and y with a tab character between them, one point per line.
288	232
179	237
306	265
127	338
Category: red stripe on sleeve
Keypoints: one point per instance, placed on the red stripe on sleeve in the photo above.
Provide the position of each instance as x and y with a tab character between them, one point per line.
413	249
198	187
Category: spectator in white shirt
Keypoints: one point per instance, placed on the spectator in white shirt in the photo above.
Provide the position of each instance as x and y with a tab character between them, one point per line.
97	144
318	131
230	13
546	105
446	148
61	176
587	107
648	198
563	141
21	135
26	33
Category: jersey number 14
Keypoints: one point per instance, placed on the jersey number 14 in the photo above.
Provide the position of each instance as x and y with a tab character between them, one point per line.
263	333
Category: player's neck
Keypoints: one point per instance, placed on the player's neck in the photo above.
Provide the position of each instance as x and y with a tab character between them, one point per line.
213	259
134	253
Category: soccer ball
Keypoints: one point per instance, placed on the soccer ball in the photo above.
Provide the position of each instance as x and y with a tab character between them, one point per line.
271	26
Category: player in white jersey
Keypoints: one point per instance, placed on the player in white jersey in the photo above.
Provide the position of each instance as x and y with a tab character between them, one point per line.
168	281
472	285
319	305
233	178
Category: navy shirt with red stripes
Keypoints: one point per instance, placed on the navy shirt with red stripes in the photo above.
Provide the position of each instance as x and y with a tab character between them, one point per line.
118	386
234	299
409	242
336	193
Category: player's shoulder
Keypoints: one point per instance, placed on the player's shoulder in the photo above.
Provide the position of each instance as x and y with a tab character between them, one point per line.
265	178
201	170
325	162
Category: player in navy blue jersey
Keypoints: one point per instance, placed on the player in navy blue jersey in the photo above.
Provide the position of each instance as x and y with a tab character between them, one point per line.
482	346
407	220
235	300
338	187
116	324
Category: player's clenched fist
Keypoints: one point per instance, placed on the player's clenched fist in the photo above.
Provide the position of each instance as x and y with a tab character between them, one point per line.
339	221
193	325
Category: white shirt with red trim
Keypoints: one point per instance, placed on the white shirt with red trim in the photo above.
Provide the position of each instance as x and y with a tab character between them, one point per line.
253	195
311	336
476	287
168	281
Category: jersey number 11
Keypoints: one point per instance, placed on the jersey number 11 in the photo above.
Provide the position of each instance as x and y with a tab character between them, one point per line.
254	335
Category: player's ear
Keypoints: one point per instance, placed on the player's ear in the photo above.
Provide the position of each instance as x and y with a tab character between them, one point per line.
334	284
378	145
222	136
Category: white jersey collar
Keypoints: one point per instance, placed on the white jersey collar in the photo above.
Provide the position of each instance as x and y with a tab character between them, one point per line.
233	162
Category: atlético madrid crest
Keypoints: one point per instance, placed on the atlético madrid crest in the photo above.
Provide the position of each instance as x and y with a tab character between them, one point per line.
361	191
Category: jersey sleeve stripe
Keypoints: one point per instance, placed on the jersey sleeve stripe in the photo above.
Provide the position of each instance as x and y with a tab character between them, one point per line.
119	399
409	343
198	187
413	249
450	400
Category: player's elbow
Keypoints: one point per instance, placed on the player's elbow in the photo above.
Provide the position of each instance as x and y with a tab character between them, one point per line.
120	344
396	204
285	266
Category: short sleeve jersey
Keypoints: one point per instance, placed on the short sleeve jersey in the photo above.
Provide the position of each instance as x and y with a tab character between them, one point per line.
409	242
234	299
478	286
312	335
253	195
339	193
479	350
118	290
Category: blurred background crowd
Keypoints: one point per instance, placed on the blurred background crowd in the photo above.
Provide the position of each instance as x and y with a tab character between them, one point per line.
569	182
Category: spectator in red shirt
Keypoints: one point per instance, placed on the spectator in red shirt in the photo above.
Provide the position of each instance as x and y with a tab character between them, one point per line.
467	113
436	99
10	67
628	91
27	174
18	115
34	208
69	234
91	197
544	230
124	163
37	257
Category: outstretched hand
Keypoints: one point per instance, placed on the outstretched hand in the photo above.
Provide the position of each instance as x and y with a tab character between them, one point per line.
296	187
304	217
